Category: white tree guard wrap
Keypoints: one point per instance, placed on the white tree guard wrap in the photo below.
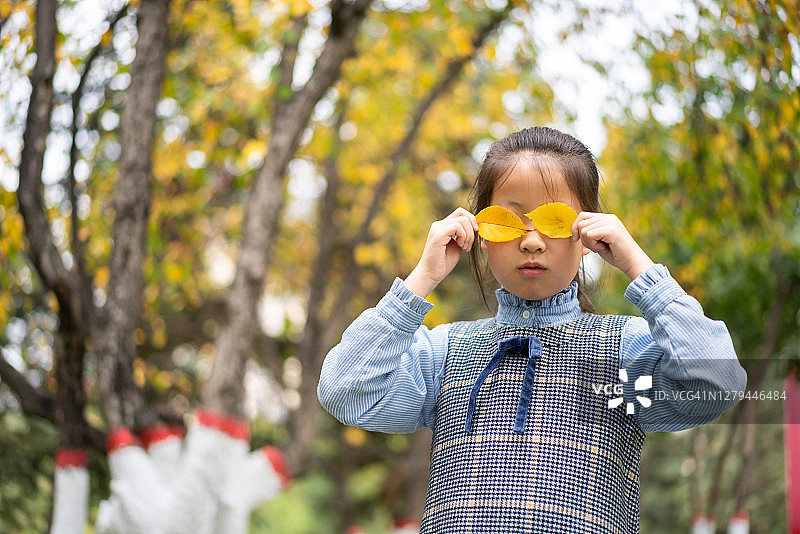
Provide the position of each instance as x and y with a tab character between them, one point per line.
70	492
205	484
703	525
164	444
141	498
262	476
739	523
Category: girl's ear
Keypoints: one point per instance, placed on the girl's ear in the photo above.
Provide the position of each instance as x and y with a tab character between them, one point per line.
483	244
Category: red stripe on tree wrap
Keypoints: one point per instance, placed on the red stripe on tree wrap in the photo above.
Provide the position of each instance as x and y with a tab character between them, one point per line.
160	432
68	457
119	438
278	462
235	428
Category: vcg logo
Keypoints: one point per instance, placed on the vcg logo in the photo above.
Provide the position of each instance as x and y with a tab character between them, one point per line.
641	384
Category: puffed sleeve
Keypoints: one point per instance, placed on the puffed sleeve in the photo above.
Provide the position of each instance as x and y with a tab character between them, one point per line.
385	373
696	375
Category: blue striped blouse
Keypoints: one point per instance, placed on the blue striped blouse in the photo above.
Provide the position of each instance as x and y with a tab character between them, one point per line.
385	373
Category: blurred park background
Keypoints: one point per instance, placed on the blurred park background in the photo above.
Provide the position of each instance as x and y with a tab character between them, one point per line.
197	197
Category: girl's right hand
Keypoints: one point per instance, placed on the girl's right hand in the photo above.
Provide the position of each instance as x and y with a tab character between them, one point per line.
447	239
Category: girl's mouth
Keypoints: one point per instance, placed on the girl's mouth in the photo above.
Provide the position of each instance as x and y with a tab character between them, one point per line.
532	270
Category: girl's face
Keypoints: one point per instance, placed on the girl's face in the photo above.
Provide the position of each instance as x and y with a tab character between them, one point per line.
534	266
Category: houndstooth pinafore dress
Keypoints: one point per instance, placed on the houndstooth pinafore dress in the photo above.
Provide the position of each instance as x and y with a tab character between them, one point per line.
522	442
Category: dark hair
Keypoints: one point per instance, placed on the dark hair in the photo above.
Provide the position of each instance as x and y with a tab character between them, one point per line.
543	146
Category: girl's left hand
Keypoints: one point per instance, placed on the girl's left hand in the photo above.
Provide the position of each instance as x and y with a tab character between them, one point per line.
605	234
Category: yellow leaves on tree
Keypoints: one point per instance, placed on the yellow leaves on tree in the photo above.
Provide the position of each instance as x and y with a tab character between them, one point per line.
499	224
299	7
373	254
460	37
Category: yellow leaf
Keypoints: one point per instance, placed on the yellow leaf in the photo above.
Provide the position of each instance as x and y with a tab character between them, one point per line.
355	437
139	377
106	38
459	36
173	272
554	219
159	339
254	148
499	224
101	277
139	337
162	380
6	305
299	7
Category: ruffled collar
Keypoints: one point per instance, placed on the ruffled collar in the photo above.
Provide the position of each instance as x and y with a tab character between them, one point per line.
561	308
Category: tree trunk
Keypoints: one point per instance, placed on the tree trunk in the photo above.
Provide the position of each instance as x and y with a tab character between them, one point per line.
748	454
74	310
745	411
313	347
721	461
698	450
122	399
224	390
71	477
408	484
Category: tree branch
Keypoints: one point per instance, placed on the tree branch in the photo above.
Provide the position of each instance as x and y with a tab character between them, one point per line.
122	399
44	255
32	400
346	17
43	252
223	391
452	71
722	460
301	424
74	307
77	242
747	453
283	89
40	403
310	350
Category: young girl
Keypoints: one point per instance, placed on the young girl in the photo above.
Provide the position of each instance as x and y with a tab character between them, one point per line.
527	433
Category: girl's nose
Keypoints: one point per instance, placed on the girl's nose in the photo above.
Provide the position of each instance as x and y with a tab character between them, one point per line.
533	241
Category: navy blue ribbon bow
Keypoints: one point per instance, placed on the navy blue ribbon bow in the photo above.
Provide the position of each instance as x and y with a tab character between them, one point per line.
530	345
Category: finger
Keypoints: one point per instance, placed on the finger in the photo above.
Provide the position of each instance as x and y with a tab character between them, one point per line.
594	227
583	218
461	230
597	245
469	233
596	241
458	212
608	229
454	230
595	220
596	234
461	212
472	220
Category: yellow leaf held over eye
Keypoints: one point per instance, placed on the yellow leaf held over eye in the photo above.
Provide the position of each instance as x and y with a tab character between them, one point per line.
499	224
554	219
